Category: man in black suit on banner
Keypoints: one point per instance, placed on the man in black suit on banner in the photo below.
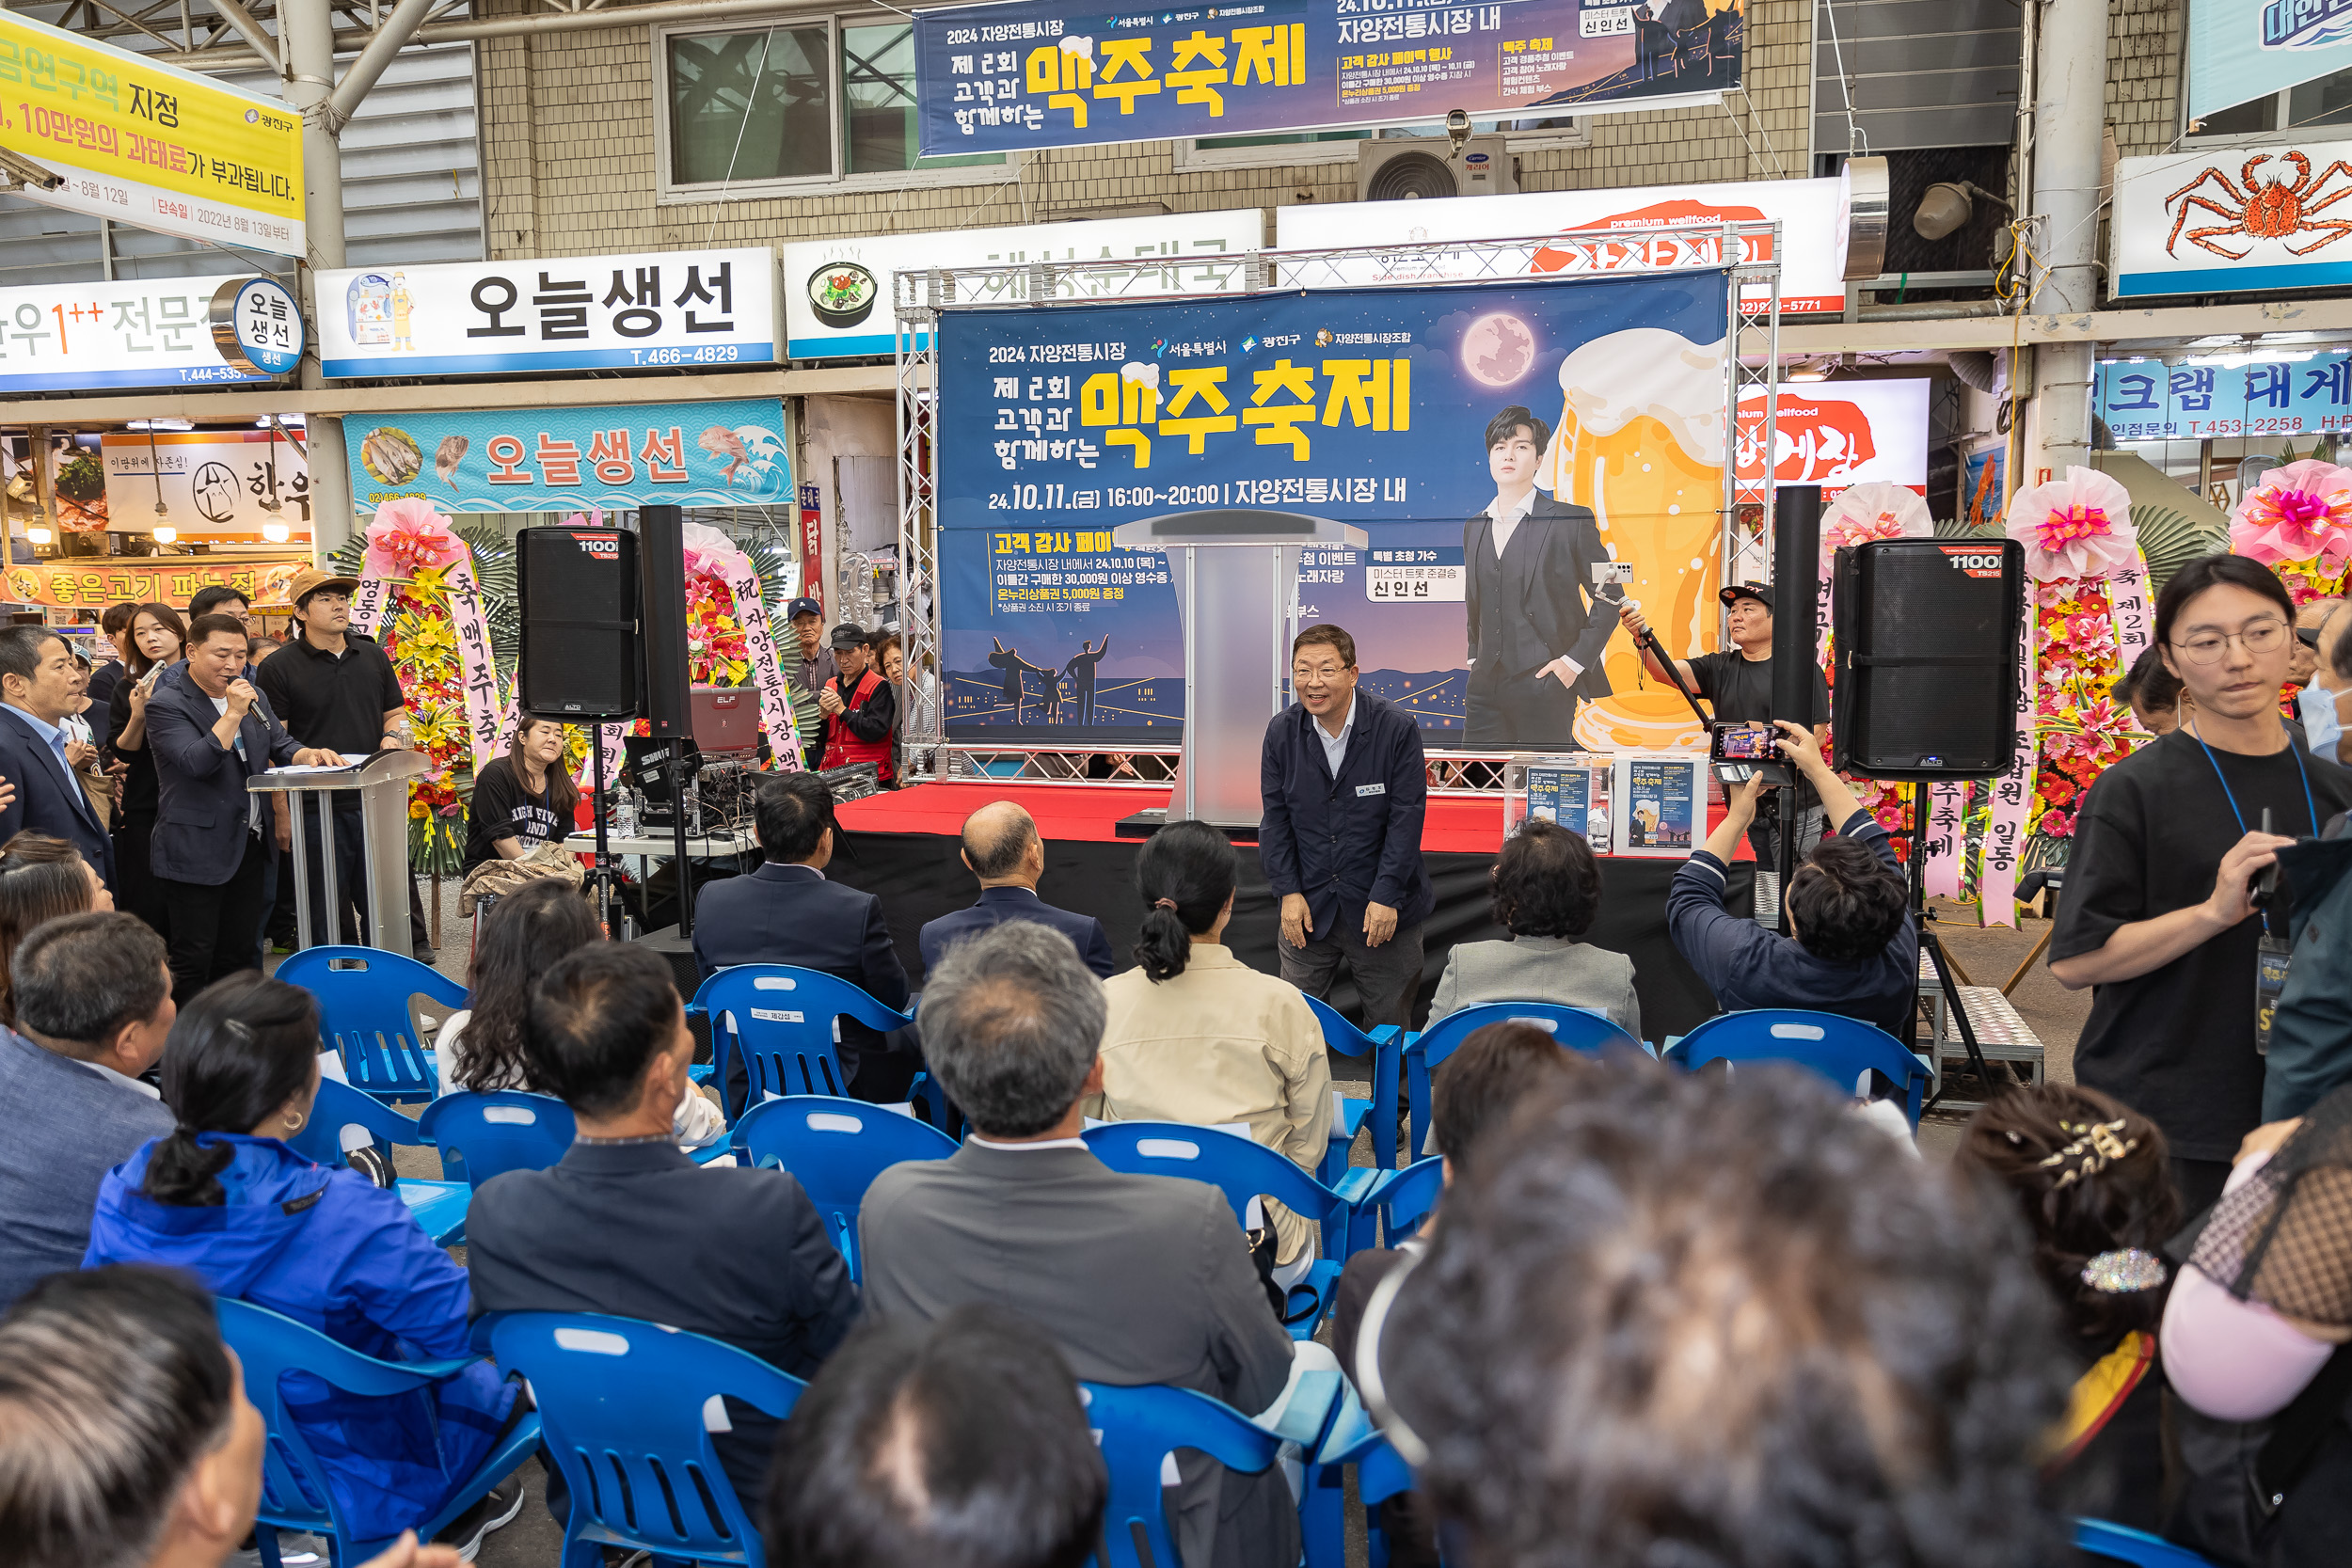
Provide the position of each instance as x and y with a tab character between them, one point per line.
1536	629
38	680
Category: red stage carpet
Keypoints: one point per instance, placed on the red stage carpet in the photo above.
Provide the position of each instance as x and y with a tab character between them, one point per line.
1089	813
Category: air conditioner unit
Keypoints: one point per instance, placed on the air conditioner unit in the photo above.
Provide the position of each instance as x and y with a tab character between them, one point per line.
1425	168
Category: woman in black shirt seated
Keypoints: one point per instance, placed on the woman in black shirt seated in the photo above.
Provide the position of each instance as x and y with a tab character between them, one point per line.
522	799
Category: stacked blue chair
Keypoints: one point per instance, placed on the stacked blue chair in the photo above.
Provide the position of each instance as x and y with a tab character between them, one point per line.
1839	1049
621	1406
440	1207
782	1020
483	1136
295	1493
1576	1029
2121	1543
1382	1046
363	995
1140	1427
1380	1475
1243	1169
1397	1201
834	1149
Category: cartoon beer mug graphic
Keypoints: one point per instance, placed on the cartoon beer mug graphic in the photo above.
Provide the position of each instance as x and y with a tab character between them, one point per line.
1641	442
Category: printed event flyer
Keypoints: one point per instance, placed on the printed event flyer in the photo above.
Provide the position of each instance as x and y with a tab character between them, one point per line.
1663	798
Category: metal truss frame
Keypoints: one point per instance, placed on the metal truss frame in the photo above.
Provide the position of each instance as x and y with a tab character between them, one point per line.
1744	252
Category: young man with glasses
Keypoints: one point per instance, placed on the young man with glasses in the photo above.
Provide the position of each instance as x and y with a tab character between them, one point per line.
1344	786
2158	912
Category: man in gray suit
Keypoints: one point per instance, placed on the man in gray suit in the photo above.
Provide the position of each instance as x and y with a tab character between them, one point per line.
1139	1280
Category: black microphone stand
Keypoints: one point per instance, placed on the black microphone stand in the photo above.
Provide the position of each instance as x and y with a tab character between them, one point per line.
1648	640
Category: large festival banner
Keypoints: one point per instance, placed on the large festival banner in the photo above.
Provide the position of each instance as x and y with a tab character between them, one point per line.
1369	406
1018	75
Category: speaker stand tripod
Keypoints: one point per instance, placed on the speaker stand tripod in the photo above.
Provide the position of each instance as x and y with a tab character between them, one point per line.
602	875
1932	946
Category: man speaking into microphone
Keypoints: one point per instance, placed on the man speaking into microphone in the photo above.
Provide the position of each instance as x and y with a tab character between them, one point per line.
1343	786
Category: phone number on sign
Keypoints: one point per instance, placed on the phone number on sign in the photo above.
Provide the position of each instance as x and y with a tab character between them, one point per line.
712	353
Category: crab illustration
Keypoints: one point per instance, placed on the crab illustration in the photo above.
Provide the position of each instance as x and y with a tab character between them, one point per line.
2267	209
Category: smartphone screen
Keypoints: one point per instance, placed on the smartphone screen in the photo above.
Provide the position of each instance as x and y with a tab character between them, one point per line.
1744	743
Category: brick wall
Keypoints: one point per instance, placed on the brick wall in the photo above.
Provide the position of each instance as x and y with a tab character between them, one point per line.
568	157
2144	75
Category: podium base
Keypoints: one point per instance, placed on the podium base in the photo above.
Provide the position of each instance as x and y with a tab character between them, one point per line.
1143	824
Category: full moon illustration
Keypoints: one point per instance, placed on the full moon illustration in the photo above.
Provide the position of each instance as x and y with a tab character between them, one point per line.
1498	349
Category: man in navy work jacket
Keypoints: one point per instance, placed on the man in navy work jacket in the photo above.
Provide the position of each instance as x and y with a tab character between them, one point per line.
1856	949
787	912
37	681
1344	787
210	732
1004	849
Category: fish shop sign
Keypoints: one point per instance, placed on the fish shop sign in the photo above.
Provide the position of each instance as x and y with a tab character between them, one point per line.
656	310
732	453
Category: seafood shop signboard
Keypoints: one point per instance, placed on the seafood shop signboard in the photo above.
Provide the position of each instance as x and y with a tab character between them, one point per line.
2240	220
627	455
699	308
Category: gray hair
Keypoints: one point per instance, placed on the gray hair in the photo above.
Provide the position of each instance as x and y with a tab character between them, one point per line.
113	1383
1011	1021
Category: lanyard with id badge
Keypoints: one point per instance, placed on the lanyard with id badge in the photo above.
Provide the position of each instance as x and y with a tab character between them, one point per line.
2274	953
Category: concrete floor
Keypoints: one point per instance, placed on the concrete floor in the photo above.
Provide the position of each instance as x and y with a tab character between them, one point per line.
1987	956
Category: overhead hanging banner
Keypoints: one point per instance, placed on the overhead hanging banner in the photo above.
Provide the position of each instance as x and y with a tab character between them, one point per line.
1650	224
2290	394
94	584
837	293
722	453
149	144
2244	220
210	482
1030	74
2253	48
629	313
1402	411
157	332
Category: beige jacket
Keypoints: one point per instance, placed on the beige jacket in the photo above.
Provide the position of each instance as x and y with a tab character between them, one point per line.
1219	1043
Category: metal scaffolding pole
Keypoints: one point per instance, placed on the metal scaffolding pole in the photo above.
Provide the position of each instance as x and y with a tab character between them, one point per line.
2069	120
307	37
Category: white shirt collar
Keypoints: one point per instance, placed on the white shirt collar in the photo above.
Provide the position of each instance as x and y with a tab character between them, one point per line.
105	1071
1021	1148
1516	512
1346	724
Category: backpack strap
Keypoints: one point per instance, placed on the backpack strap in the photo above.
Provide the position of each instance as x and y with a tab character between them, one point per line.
2296	1432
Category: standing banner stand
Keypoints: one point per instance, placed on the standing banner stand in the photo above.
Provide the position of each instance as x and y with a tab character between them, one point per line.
382	781
1236	577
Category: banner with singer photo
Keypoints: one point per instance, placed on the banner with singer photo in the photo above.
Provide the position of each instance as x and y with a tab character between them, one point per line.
1592	411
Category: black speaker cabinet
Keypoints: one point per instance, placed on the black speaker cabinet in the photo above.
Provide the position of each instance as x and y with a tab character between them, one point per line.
579	588
1927	658
669	715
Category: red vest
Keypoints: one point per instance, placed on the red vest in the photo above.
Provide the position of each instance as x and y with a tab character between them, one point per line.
842	749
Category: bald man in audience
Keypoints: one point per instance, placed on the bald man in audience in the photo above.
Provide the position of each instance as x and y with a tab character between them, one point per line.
1004	849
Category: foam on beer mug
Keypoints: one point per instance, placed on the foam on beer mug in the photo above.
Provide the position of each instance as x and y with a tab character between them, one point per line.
1641	441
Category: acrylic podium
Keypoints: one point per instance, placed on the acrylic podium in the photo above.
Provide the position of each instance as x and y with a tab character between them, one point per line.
382	781
1236	572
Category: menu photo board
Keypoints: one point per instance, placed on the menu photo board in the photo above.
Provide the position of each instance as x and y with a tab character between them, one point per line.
1661	804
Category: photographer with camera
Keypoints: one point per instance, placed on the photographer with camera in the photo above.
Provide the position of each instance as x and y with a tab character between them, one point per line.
1855	950
1738	686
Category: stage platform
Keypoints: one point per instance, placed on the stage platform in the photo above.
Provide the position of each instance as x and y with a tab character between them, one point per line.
901	846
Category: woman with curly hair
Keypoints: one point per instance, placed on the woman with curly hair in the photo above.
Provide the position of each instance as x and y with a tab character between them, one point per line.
2090	1175
1547	894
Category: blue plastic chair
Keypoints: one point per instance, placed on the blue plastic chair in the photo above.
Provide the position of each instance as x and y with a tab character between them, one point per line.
1379	1476
1839	1049
785	1023
483	1136
2137	1546
1576	1028
1243	1169
1382	1045
621	1402
1398	1200
439	1207
363	998
1136	1429
834	1149
295	1493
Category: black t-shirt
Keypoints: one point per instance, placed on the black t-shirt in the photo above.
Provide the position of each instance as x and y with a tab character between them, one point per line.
338	702
1742	689
503	808
2177	1043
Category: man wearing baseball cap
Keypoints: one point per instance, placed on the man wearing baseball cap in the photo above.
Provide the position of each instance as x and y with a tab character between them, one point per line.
334	690
815	671
1738	686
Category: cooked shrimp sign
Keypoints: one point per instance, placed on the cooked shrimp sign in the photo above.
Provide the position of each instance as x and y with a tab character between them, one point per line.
731	454
2235	220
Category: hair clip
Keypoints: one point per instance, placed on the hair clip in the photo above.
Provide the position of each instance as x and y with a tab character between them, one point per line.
2123	1271
2098	1145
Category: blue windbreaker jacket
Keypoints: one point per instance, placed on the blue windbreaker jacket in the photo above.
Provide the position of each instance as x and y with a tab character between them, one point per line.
330	1250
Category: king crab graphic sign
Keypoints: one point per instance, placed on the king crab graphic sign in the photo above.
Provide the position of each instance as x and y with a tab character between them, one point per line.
2262	219
2267	208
